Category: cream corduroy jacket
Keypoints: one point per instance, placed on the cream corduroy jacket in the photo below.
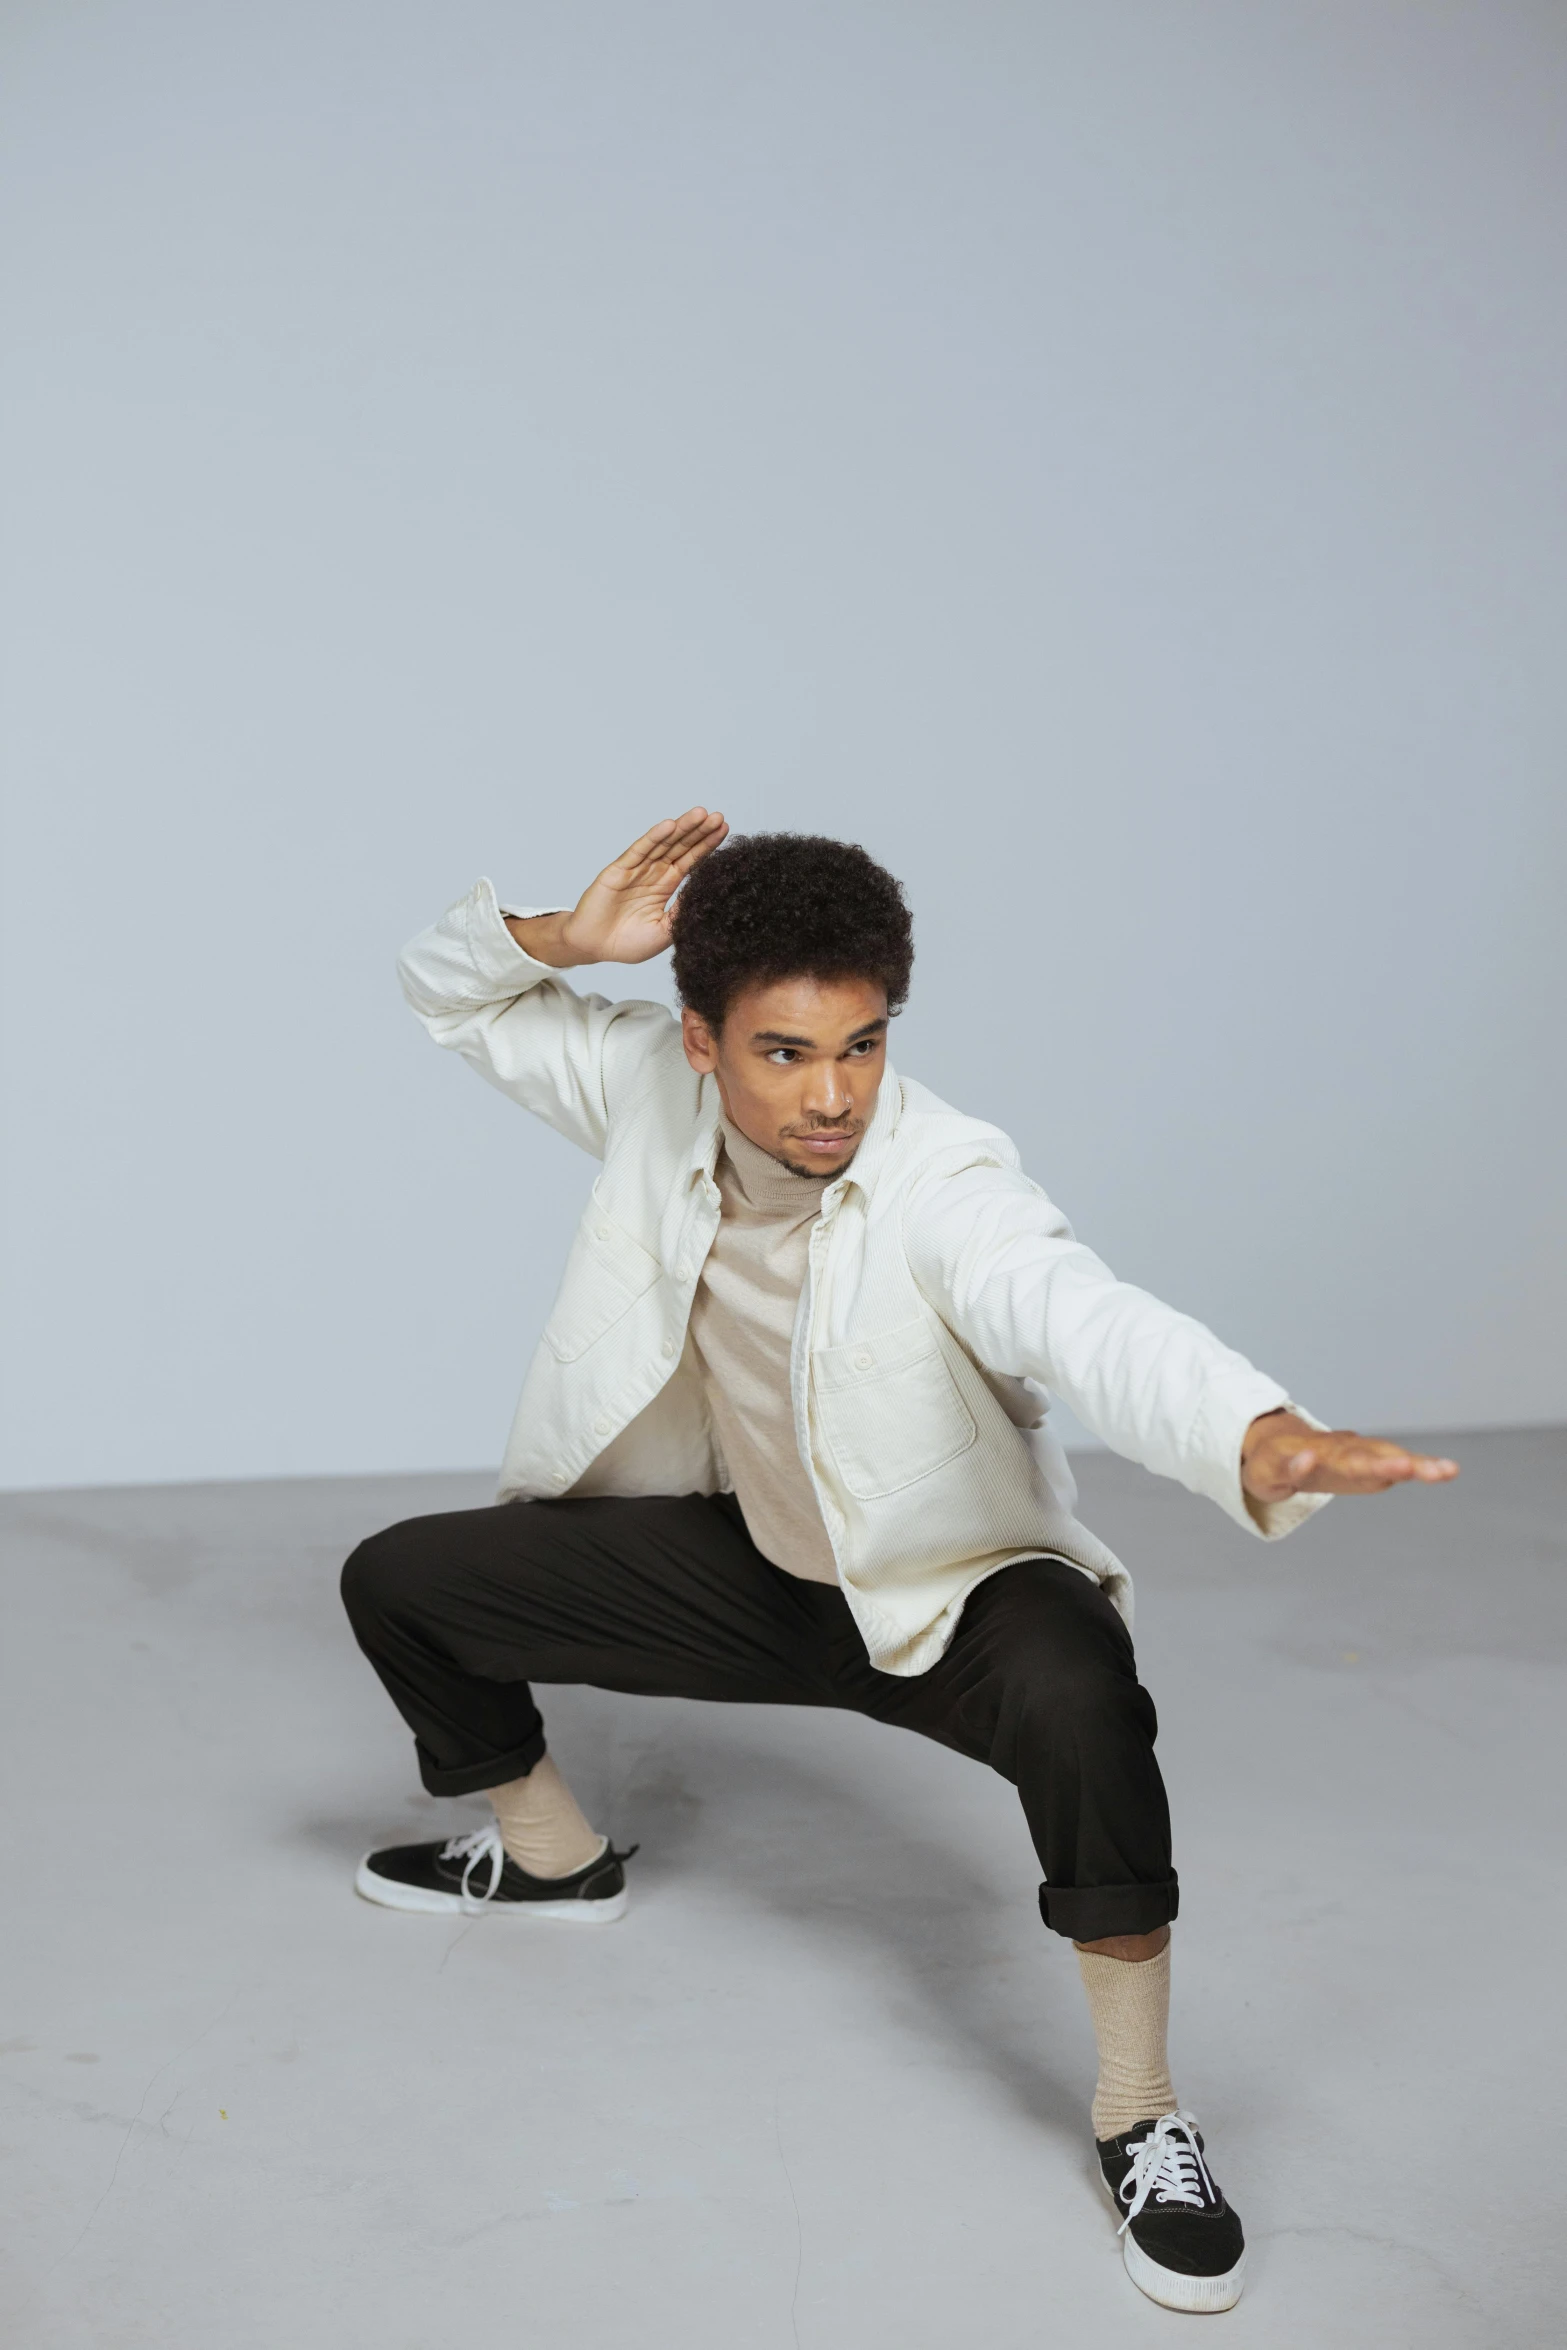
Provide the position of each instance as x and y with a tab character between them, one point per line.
945	1298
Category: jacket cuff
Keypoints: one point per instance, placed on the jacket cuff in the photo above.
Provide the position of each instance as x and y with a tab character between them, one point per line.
1232	1400
495	952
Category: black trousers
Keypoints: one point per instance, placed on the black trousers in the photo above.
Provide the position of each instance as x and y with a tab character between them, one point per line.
671	1598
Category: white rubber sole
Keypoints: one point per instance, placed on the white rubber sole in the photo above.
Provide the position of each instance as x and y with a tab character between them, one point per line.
1200	2296
387	1894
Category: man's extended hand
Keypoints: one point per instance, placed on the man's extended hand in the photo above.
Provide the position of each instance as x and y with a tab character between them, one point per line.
1282	1455
623	916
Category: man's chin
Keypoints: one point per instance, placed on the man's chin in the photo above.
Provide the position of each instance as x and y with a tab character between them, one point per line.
810	1163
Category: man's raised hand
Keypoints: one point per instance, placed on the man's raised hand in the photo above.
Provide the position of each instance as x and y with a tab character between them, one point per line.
1282	1455
623	916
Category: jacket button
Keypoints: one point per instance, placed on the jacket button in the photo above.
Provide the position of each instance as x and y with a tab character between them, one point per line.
668	1347
601	1427
864	1360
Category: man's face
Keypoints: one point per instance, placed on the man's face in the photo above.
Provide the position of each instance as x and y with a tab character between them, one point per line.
798	1062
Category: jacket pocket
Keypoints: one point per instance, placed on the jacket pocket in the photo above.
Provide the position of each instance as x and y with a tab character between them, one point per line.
606	1272
889	1411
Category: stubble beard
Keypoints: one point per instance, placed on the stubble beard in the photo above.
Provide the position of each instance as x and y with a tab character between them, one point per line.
819	1174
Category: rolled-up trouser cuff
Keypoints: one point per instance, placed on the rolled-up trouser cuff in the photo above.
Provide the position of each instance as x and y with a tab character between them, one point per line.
1092	1913
474	1778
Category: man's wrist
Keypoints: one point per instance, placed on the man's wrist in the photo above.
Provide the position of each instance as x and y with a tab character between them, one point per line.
1281	1421
543	936
1272	1437
1257	1428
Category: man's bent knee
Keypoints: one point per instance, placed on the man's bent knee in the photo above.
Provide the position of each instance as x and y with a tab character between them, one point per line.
383	1572
1051	1630
1060	1670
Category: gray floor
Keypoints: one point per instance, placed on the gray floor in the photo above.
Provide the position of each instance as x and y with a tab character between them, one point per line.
825	2086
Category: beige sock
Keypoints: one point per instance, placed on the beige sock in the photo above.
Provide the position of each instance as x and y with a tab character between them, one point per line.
541	1827
1129	2003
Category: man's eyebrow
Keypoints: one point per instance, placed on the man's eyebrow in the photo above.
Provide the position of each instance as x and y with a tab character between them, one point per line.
807	1044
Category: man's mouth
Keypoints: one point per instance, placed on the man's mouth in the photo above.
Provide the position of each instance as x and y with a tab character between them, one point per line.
823	1142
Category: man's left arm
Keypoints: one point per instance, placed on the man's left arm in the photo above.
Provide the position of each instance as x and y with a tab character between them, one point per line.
1001	1265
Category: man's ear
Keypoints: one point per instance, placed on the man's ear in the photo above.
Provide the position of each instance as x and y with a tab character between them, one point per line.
700	1042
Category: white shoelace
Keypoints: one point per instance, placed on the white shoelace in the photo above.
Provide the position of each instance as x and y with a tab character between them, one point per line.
479	1844
1168	2166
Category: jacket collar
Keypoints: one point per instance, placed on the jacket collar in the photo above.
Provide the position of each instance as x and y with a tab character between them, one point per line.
870	1158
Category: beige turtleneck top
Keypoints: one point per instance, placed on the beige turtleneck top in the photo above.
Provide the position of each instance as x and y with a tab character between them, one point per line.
742	1327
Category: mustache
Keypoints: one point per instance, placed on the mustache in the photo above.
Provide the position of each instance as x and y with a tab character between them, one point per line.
824	1126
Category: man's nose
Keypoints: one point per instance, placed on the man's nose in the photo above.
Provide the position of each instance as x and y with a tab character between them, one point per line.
826	1093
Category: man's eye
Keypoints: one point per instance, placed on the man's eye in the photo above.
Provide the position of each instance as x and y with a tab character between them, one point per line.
864	1048
782	1055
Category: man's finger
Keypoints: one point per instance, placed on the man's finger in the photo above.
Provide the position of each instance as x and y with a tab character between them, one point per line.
684	848
1372	1459
1395	1464
689	827
658	844
649	844
1367	1467
706	841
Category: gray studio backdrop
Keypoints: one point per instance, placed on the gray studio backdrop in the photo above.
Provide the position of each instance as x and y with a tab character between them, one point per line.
1106	459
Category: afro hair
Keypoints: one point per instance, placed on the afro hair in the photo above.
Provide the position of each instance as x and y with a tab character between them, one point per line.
788	905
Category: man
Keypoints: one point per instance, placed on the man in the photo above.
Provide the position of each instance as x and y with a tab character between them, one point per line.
783	1440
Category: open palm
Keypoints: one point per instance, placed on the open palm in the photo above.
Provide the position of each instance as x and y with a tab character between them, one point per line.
623	916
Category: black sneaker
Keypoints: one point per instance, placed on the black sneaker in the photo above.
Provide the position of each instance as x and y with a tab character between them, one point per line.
468	1876
1179	2238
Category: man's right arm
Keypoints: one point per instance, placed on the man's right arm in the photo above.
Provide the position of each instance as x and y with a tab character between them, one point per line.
482	981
